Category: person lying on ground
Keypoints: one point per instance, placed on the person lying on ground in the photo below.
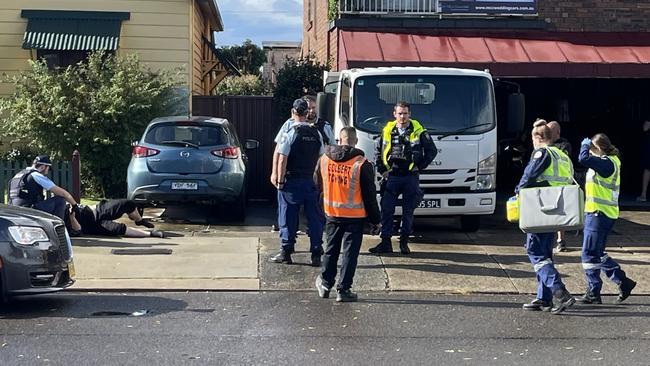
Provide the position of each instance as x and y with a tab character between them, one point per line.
98	220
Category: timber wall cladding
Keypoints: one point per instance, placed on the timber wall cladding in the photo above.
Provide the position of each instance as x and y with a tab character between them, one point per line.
158	31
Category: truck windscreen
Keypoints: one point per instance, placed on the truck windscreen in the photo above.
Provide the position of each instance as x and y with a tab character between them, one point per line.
441	103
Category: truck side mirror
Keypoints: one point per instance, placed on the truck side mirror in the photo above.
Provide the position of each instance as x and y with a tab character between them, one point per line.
325	106
516	113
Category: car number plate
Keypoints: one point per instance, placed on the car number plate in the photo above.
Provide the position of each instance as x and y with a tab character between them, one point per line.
71	271
429	203
188	186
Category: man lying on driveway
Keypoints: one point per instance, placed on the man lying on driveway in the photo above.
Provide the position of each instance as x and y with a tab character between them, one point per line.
98	220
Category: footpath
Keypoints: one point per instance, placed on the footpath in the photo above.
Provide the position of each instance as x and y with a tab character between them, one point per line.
202	256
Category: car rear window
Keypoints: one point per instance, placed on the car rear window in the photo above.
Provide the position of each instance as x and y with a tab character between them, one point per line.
201	135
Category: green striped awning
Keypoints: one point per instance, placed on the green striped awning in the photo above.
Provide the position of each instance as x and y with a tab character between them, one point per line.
73	30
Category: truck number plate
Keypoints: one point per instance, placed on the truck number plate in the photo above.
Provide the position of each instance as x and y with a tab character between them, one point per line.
429	203
188	186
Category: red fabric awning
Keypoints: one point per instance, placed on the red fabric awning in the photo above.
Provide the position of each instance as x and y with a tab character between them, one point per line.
576	56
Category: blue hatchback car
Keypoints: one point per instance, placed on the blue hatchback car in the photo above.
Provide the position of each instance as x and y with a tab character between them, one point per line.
189	160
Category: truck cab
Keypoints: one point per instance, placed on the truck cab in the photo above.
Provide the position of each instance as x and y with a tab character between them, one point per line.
456	106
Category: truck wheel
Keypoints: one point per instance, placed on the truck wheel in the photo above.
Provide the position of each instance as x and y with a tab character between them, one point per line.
470	223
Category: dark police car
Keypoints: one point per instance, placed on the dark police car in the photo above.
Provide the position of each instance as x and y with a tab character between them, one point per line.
35	253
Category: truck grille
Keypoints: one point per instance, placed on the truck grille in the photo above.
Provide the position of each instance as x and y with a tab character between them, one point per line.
63	243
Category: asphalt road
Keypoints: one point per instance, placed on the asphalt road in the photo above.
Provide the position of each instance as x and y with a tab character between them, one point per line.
222	328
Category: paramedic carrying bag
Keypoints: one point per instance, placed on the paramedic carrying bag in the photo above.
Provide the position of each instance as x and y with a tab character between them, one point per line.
549	209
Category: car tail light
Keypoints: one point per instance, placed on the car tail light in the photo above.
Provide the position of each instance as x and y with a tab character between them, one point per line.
230	152
143	152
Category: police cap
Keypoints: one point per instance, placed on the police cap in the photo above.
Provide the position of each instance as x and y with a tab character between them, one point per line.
42	160
300	107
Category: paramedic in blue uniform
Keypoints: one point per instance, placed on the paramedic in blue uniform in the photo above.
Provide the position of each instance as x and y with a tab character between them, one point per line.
548	166
601	211
26	189
405	148
298	152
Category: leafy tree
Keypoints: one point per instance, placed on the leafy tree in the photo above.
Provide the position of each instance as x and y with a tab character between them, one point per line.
299	76
97	107
248	57
243	85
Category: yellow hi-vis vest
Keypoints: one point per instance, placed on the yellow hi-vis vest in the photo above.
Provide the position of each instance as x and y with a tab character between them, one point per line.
602	193
560	171
342	187
386	137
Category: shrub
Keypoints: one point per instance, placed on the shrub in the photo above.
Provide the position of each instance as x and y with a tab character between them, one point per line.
97	107
300	76
242	85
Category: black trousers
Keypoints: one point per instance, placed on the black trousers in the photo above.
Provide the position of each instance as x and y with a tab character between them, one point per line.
348	235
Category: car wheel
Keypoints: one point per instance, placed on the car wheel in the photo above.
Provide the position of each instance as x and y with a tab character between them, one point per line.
470	223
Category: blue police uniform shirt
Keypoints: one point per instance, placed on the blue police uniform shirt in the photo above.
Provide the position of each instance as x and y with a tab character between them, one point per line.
42	180
539	161
286	126
600	164
288	138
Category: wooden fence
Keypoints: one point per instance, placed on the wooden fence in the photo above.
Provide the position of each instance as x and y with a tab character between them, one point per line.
254	117
64	174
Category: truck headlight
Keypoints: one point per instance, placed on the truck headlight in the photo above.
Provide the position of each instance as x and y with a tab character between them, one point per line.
485	182
27	235
488	165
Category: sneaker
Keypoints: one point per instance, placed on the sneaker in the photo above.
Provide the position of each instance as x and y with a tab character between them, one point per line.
589	298
316	259
385	246
146	223
538	305
560	247
641	199
346	296
157	234
563	301
323	291
274	228
282	257
625	289
404	247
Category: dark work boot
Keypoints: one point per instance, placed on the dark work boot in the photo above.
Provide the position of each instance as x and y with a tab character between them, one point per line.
385	246
625	289
282	257
145	223
538	305
316	259
346	296
404	246
589	298
562	300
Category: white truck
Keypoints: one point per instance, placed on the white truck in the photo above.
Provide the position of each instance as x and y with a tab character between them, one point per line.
456	106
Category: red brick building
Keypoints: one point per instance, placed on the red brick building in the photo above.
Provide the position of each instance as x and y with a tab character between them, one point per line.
585	63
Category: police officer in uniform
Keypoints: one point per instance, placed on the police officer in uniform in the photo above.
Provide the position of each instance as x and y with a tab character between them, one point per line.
298	151
26	189
347	181
601	211
323	127
405	149
548	166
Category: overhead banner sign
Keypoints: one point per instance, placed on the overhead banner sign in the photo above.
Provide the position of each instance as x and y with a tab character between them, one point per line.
488	6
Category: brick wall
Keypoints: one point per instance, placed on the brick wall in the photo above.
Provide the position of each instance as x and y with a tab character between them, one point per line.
315	28
596	15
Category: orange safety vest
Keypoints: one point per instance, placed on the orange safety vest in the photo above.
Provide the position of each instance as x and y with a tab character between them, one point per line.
342	187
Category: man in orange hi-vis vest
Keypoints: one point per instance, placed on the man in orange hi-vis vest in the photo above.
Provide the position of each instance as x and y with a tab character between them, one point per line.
346	179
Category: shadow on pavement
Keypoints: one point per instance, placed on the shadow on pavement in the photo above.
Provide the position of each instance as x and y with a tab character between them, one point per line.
84	305
480	304
90	243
